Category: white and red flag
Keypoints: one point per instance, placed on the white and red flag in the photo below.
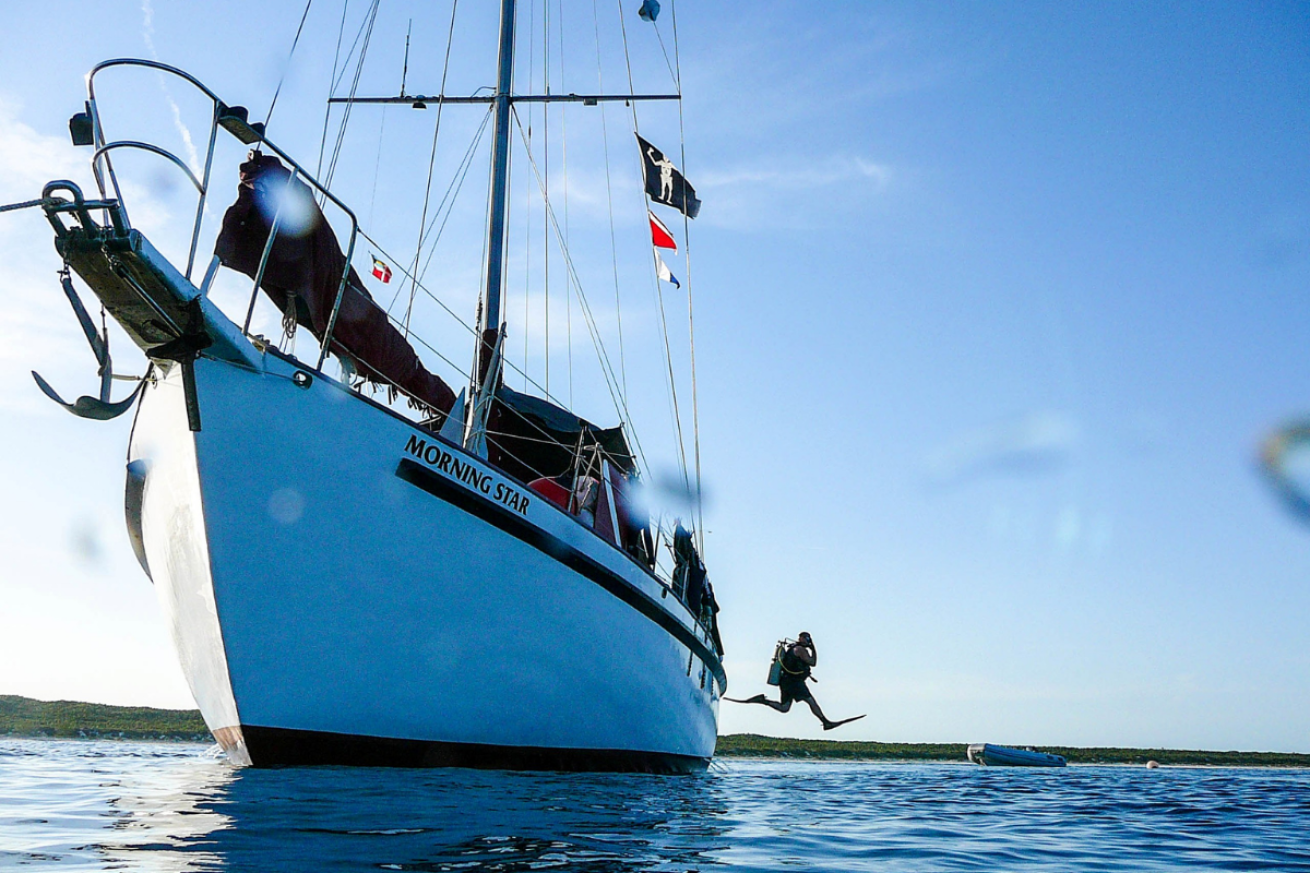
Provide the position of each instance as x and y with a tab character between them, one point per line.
381	270
660	236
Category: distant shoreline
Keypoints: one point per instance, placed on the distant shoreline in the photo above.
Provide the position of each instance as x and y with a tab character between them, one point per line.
70	719
23	717
778	748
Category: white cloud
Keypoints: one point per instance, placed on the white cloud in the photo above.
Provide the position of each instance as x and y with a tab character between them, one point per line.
148	34
794	175
31	159
36	327
793	192
1034	444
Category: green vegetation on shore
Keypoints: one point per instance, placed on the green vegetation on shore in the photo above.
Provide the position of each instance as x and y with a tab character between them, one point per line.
24	717
756	746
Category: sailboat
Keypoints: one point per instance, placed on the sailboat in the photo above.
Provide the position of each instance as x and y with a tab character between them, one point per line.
469	582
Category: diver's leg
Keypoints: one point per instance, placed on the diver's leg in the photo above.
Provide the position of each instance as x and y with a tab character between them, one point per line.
781	706
818	713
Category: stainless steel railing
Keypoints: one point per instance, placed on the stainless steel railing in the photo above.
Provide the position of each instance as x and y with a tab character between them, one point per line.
234	120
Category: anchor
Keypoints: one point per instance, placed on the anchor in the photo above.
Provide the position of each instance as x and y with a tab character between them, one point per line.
98	409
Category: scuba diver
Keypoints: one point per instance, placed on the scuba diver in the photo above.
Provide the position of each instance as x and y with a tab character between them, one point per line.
794	670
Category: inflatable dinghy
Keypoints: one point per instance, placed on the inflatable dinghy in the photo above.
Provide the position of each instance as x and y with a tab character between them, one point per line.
1003	756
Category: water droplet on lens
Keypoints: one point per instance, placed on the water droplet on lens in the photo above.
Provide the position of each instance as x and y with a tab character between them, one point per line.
286	506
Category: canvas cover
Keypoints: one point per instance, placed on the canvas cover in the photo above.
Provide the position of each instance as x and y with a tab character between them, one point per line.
529	437
304	273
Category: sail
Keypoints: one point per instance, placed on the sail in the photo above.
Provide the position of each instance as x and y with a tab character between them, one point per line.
303	275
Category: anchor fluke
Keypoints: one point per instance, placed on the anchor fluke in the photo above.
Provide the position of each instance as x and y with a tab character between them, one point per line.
90	407
97	409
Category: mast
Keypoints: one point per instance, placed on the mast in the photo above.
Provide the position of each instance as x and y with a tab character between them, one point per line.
486	376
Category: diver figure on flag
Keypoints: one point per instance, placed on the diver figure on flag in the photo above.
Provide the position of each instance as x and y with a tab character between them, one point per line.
664	184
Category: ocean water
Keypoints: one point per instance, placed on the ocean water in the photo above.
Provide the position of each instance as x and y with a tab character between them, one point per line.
81	805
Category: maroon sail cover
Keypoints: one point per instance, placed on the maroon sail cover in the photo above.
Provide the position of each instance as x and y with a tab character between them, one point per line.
304	271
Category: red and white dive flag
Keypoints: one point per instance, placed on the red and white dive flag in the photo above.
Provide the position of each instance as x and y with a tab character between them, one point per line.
662	270
659	234
381	270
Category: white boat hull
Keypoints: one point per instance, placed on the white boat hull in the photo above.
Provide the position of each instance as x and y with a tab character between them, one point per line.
345	588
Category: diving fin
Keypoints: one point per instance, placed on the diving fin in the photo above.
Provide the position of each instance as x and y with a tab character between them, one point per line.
836	724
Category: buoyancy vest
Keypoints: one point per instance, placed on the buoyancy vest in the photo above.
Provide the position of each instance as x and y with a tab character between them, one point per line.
793	667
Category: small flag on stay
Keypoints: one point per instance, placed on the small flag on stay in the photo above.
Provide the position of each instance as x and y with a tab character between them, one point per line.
381	270
660	236
663	271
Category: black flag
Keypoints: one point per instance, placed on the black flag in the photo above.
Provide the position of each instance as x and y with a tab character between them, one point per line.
664	183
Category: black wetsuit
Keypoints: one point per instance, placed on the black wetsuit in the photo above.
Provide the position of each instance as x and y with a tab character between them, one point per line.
794	673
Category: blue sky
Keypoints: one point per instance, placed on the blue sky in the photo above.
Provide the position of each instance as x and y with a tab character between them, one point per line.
994	306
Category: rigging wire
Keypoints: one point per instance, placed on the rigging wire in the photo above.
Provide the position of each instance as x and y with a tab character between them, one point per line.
564	136
672	382
607	368
452	192
377	165
527	212
546	437
282	78
466	373
459	319
354	87
359	34
382	130
472	331
432	159
660	37
659	290
545	151
691	320
332	87
609	196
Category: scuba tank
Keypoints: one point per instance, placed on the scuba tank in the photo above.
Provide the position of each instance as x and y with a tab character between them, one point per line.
775	669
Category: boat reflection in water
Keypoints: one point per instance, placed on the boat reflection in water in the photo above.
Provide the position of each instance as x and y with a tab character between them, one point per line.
206	815
97	805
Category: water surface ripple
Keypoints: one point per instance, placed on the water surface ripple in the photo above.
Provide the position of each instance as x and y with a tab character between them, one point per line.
84	805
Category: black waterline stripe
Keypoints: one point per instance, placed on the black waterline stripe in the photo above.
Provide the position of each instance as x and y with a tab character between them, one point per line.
438	486
282	747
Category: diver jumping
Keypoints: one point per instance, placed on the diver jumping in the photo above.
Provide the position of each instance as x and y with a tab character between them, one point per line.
794	671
